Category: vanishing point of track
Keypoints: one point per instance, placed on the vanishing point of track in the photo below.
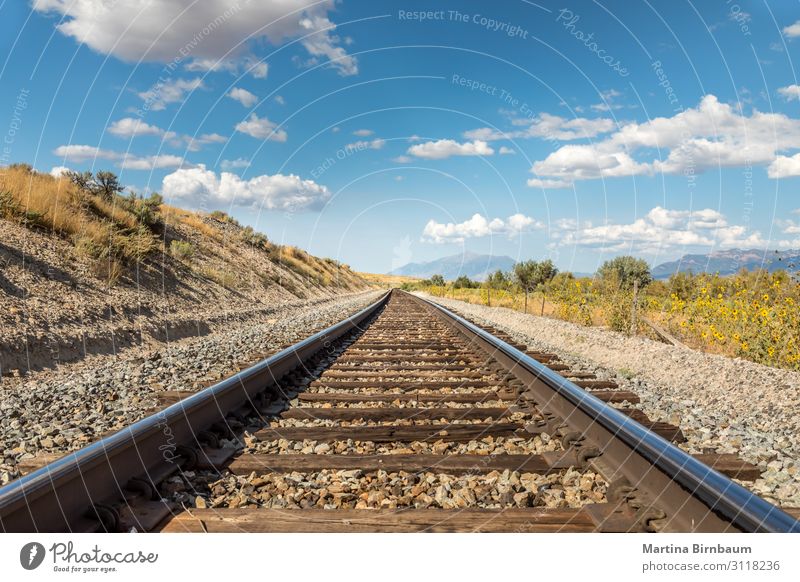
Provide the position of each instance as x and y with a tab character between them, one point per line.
403	417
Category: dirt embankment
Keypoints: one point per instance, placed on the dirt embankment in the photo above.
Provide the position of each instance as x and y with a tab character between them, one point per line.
84	274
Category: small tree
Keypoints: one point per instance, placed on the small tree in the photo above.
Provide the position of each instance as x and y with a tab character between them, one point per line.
464	282
531	274
437	281
525	277
624	270
154	200
107	185
545	272
83	180
497	280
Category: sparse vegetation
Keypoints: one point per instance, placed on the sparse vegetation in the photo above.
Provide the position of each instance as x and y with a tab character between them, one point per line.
530	275
253	238
623	271
114	231
107	185
224	217
464	282
753	315
182	250
221	277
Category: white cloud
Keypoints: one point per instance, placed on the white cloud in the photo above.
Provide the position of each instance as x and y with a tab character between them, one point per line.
276	192
234	164
477	226
403	159
160	95
790	93
150	162
363	132
583	162
784	167
130	127
546	126
605	107
787	226
212	138
59	171
661	228
374	144
193	143
258	70
249	65
243	96
280	100
203	35
83	153
504	151
444	148
711	135
322	44
608	102
261	128
793	30
552	184
212	65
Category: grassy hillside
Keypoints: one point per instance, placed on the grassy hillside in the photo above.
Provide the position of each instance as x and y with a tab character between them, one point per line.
116	232
80	263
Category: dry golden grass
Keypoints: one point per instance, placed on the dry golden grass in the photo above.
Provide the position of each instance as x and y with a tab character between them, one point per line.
196	222
57	202
173	215
97	227
387	280
112	231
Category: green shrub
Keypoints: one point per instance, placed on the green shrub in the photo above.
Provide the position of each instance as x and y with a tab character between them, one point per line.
181	250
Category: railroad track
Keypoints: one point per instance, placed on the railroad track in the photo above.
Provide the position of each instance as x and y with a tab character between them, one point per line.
404	417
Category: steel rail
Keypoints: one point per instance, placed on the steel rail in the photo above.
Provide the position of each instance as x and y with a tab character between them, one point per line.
63	495
742	508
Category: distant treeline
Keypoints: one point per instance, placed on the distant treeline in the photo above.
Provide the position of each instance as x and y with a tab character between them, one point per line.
752	314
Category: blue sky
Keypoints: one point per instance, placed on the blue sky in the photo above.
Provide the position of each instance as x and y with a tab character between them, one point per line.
373	133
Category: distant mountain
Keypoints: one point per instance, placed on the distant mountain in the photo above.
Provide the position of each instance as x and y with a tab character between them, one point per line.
729	262
473	265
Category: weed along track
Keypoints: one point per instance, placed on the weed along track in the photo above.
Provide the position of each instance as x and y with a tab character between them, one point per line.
404	417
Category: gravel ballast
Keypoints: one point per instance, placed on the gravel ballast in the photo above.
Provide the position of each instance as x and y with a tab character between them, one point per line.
723	405
356	489
65	409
